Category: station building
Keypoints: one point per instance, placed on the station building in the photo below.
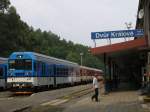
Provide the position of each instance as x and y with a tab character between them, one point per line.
127	64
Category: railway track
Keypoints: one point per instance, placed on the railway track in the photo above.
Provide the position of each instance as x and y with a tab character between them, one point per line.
77	93
68	97
24	92
49	98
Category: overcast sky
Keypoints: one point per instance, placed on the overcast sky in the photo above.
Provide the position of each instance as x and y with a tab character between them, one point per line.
75	19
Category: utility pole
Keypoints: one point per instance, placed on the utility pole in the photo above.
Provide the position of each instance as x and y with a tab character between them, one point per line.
94	42
128	26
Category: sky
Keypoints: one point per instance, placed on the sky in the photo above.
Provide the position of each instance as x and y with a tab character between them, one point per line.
75	19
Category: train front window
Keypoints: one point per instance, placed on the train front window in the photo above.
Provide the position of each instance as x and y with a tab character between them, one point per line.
20	64
11	64
28	64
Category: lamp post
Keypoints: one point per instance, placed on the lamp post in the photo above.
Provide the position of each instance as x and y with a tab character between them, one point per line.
81	54
129	26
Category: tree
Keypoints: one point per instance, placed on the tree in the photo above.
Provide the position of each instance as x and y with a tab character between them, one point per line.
16	35
74	57
4	5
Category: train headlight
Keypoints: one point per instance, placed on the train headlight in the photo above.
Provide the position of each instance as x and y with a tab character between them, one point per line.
28	73
10	74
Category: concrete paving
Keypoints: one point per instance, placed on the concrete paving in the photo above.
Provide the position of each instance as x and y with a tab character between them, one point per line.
114	102
50	101
11	104
127	101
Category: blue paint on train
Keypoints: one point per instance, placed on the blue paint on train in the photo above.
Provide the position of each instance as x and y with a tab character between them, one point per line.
27	64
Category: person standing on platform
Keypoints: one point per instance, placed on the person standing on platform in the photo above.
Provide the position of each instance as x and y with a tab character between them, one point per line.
95	87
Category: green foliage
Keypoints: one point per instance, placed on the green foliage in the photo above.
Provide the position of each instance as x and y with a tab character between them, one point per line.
4	4
73	56
16	35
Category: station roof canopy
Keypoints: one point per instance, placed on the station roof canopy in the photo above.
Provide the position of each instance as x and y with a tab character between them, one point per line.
125	54
120	47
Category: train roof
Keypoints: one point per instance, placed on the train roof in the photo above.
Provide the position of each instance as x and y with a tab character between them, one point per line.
46	58
3	60
54	59
84	67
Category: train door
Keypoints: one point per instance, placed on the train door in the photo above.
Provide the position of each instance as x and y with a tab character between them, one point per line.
39	69
54	75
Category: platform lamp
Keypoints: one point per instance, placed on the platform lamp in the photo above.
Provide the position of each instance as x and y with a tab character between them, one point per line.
81	59
81	54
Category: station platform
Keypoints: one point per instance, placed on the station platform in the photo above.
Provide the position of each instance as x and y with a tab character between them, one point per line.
123	101
120	101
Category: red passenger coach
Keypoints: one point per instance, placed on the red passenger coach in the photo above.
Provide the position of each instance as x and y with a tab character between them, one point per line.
87	74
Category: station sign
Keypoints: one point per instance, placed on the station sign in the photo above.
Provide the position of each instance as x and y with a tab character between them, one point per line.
117	34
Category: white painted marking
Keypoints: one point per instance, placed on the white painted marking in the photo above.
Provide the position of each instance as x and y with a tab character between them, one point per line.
32	95
60	102
2	98
10	98
140	98
49	103
55	102
144	106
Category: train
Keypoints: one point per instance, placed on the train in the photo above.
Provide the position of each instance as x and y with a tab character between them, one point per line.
34	70
86	74
3	73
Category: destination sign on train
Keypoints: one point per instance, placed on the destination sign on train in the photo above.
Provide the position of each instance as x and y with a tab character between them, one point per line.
117	34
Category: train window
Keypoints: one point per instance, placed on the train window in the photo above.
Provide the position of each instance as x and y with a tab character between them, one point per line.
43	68
60	71
49	70
35	66
11	64
38	65
1	72
57	71
28	64
66	71
19	64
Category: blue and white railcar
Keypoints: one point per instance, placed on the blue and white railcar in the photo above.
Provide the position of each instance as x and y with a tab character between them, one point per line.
3	72
29	69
